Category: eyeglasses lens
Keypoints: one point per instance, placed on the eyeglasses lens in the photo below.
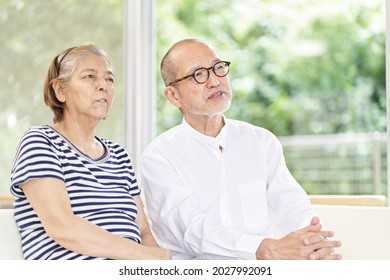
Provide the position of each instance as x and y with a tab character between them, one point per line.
220	69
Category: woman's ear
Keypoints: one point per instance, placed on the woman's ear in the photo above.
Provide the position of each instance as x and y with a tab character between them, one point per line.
173	96
58	89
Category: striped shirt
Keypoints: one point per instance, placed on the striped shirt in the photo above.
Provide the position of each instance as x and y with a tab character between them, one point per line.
100	190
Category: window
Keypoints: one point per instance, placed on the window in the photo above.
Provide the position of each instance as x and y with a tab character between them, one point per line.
317	89
28	45
312	72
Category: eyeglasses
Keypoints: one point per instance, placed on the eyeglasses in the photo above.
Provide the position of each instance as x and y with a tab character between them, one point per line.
201	75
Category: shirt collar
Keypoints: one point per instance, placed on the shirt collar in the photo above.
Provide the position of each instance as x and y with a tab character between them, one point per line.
219	141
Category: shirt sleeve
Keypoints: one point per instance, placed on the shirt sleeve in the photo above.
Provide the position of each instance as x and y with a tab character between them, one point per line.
35	158
289	204
175	216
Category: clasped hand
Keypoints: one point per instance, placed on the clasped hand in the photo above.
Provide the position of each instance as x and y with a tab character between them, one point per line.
309	243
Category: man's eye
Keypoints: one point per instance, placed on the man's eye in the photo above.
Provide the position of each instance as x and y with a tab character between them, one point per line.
219	66
199	73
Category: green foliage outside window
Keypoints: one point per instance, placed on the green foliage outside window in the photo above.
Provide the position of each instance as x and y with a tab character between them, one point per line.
298	67
32	33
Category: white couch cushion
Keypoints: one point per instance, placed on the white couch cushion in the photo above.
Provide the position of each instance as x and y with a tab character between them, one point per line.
363	230
10	243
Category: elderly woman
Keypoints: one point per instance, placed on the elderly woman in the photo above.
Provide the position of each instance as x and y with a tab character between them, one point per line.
76	194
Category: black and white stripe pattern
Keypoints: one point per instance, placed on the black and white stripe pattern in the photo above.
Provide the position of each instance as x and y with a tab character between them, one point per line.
101	191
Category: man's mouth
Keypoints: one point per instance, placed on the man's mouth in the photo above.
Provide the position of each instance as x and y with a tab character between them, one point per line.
216	94
102	100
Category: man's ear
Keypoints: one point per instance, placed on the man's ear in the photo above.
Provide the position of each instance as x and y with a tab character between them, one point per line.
173	96
59	91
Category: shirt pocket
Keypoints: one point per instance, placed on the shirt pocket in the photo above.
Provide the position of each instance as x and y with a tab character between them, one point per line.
254	203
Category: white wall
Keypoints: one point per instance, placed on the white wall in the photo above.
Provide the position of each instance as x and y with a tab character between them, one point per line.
363	230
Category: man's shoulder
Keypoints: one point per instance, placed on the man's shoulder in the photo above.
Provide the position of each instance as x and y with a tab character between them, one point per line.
246	127
166	138
169	135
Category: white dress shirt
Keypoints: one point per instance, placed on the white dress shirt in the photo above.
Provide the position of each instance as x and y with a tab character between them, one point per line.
218	198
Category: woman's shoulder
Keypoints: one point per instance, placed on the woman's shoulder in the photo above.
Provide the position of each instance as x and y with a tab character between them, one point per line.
37	134
40	131
37	138
113	146
108	142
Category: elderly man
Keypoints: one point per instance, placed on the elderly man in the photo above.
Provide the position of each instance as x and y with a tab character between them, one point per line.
215	187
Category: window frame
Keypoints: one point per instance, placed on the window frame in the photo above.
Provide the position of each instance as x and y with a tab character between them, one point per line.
140	77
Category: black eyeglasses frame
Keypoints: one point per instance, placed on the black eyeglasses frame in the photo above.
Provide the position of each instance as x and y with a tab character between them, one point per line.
208	73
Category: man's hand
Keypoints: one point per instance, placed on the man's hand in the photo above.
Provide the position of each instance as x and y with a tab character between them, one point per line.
304	244
323	253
